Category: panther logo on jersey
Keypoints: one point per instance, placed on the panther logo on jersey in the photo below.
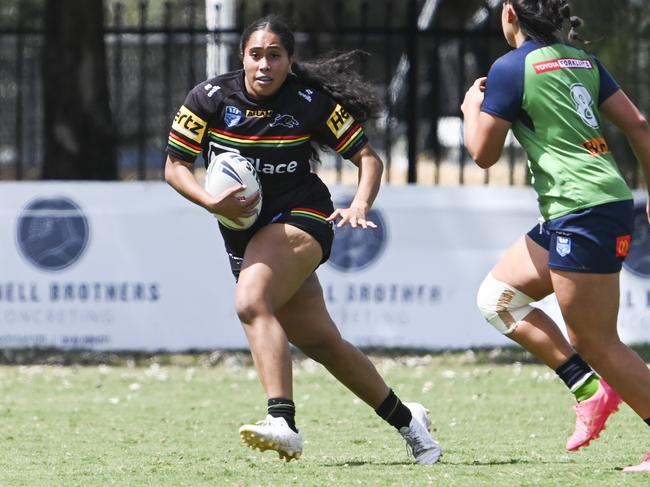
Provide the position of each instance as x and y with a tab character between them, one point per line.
285	121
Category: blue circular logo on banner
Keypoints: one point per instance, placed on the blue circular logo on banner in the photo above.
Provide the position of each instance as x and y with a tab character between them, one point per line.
638	260
356	248
52	233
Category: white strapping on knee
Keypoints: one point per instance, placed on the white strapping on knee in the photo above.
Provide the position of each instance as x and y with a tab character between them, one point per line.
502	305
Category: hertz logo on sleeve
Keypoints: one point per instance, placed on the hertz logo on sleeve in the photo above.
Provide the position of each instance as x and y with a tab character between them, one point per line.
190	125
339	121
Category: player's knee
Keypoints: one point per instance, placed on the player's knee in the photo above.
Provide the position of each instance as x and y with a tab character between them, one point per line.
502	305
248	309
245	312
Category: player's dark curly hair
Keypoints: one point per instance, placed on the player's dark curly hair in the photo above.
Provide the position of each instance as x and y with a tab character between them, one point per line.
542	20
334	74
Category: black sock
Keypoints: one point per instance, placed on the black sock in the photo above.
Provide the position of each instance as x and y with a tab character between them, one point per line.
281	407
573	370
647	421
394	412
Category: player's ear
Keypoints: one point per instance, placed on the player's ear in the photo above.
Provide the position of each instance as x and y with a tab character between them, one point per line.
511	16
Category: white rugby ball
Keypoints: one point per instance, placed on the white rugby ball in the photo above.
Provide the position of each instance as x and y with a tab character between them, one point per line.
227	170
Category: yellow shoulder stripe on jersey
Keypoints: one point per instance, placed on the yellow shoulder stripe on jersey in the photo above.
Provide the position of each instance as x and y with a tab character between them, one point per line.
189	124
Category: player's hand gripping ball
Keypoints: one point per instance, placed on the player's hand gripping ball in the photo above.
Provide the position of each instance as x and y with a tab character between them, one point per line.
227	170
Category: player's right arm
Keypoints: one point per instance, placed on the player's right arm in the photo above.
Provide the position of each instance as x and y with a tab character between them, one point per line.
187	137
626	116
485	134
490	107
180	176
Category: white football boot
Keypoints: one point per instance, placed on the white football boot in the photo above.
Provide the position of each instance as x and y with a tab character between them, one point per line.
273	434
425	449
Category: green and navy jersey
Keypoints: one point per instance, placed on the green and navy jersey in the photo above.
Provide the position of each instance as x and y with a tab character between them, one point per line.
273	133
551	94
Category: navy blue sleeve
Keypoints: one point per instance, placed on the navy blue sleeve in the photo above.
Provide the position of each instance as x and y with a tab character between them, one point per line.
505	87
608	86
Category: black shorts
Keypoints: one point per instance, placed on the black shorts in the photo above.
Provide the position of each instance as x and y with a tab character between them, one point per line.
306	208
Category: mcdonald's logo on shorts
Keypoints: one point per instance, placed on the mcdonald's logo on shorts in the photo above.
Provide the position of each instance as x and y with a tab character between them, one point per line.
623	245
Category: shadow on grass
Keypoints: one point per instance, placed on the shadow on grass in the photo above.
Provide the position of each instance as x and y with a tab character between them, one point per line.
363	464
512	461
475	463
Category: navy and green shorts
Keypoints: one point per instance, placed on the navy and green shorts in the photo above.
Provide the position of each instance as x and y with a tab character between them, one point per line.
593	240
306	208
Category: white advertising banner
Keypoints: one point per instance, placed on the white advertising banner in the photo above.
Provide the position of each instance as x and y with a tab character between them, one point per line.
111	266
133	266
414	283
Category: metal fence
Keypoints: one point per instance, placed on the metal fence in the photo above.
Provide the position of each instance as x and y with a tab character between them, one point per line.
420	60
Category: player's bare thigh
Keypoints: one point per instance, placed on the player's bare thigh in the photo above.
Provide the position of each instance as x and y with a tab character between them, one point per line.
277	261
524	266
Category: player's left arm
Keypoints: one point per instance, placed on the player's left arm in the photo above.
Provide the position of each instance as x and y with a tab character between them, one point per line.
485	134
371	168
336	128
620	110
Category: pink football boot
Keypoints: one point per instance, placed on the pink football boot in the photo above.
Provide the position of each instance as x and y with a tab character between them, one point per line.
644	466
591	415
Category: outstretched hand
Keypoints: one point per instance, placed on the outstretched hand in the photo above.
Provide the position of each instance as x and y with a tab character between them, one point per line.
353	215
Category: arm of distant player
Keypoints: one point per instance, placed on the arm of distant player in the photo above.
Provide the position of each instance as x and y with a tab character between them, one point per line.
485	134
179	175
626	116
370	169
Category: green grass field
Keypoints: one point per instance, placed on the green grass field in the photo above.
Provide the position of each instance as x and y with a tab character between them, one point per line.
176	425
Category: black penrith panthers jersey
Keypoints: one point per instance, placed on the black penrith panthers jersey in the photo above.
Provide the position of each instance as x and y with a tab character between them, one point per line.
273	133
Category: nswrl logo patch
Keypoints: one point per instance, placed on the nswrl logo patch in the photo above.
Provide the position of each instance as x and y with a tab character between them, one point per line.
232	115
563	246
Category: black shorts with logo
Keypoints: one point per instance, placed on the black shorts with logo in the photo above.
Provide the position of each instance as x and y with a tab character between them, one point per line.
306	207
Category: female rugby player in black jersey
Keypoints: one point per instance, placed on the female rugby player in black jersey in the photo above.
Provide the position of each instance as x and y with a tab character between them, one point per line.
271	112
